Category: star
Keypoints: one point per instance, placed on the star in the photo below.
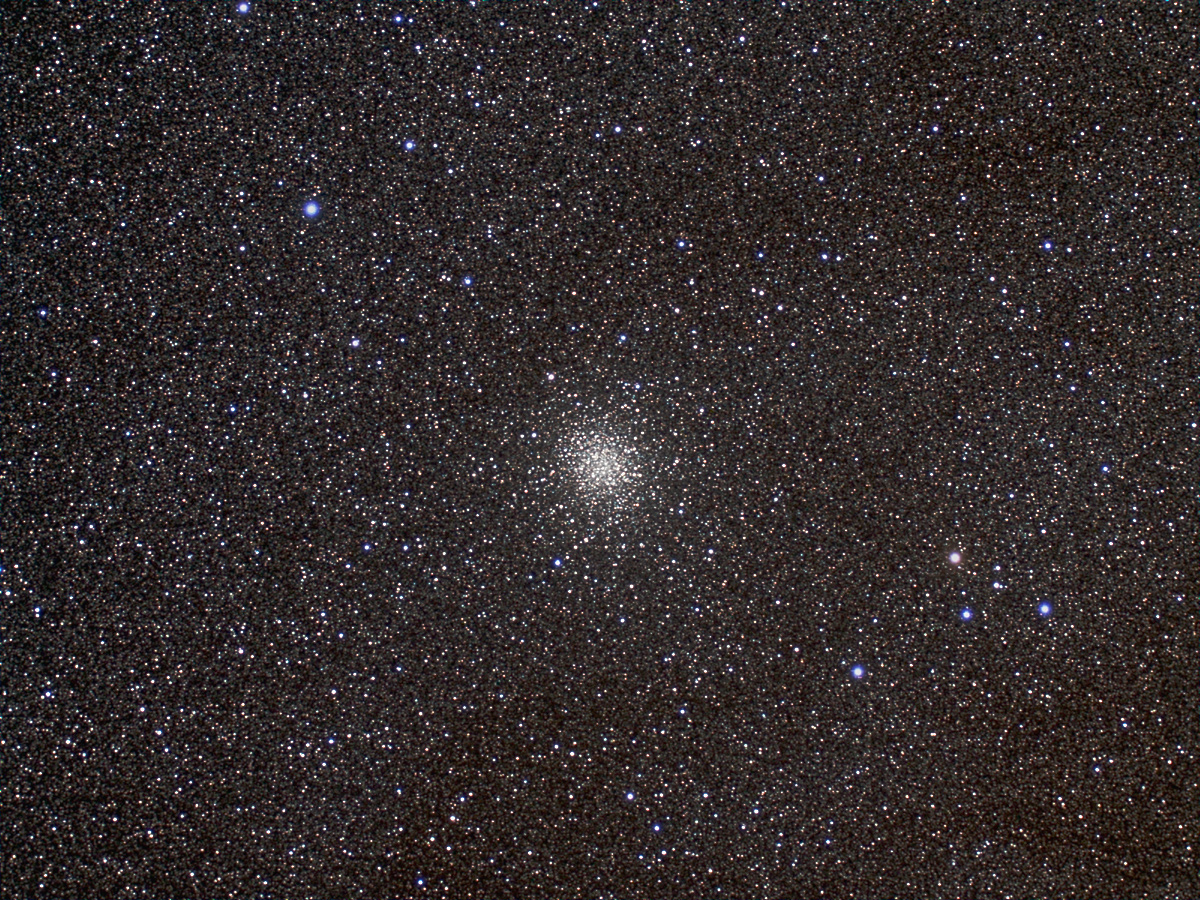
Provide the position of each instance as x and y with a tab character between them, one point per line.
312	209
955	557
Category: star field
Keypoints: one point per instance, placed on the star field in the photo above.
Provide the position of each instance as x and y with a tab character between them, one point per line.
514	450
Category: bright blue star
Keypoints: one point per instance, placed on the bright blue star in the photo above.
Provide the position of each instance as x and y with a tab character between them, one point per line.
312	209
681	243
1044	608
558	563
966	614
1047	246
468	280
410	145
243	7
858	671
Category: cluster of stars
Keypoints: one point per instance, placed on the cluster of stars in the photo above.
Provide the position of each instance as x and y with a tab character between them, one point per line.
597	454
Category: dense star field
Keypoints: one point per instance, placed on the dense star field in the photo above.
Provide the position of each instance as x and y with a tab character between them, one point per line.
583	450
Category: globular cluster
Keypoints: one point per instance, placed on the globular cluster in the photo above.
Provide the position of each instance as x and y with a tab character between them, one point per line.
513	449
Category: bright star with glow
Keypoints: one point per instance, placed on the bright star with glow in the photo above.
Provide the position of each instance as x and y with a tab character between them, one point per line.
312	209
858	671
966	614
955	558
1045	608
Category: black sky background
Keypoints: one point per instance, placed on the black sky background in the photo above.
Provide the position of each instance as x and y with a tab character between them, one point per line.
311	590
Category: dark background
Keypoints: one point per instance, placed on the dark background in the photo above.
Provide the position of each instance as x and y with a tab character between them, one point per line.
296	604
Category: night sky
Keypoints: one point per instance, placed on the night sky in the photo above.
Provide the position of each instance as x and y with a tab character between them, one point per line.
583	450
